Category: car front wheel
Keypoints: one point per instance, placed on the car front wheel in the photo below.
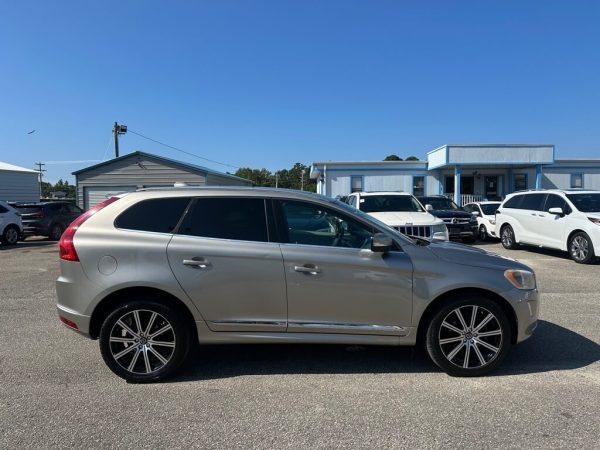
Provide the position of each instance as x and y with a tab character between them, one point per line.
10	235
507	237
581	248
144	341
482	233
468	336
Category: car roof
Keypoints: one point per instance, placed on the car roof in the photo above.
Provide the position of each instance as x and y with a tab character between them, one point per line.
372	193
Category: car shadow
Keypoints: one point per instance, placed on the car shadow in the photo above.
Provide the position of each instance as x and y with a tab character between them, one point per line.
552	347
30	244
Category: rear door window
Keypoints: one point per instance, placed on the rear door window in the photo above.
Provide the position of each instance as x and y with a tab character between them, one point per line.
242	219
160	215
533	202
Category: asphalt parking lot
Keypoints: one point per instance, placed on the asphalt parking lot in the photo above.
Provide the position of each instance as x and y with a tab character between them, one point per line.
55	391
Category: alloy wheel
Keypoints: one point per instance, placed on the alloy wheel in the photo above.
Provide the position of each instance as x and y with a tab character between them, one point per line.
482	233
579	248
142	341
11	236
470	337
507	237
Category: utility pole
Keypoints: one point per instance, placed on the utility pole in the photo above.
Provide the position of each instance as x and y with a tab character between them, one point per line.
276	179
302	179
41	172
117	130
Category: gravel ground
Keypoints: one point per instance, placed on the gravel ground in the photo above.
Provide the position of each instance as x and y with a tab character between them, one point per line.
55	391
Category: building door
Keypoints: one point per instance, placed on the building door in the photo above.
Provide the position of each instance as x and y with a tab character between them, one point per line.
492	191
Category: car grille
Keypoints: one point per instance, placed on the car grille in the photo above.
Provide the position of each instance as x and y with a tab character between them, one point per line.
419	231
457	220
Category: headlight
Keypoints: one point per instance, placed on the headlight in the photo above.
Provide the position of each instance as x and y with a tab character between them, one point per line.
594	220
440	228
493	221
473	219
521	279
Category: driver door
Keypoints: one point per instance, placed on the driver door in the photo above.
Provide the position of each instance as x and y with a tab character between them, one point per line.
335	283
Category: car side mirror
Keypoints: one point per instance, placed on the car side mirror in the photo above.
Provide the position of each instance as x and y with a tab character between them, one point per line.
556	211
381	243
428	207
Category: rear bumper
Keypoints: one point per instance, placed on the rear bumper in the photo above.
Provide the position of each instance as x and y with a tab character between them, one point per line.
81	322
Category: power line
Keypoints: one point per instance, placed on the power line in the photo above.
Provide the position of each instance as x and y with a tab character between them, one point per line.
74	162
182	151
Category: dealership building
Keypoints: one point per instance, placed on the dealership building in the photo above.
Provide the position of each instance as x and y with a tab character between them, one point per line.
465	173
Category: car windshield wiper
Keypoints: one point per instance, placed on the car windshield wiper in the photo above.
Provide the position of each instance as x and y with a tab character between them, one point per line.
421	241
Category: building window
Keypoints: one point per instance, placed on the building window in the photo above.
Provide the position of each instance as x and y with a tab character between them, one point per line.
449	185
520	181
418	186
577	180
356	183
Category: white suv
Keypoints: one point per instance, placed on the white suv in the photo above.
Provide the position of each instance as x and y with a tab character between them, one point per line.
563	219
402	211
11	227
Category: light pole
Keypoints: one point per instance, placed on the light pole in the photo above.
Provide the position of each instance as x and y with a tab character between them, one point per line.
117	130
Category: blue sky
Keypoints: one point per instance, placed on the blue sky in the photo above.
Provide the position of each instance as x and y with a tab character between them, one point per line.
270	83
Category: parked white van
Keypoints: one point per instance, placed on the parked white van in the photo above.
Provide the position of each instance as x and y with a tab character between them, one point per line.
402	211
563	219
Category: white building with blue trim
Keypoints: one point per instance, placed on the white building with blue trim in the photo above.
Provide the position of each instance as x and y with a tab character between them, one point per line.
464	172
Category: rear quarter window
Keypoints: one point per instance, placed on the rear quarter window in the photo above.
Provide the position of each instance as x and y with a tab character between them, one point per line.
159	215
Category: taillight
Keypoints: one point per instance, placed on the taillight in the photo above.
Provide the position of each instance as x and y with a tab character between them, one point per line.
66	249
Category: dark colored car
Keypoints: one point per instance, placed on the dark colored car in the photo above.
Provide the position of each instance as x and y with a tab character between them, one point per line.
461	224
47	219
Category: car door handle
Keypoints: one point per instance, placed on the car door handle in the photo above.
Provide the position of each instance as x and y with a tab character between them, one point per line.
200	263
307	268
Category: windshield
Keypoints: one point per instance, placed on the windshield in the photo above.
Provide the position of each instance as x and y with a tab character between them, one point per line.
441	203
586	202
489	209
387	203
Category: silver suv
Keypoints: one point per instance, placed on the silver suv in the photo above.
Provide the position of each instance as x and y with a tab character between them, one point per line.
151	273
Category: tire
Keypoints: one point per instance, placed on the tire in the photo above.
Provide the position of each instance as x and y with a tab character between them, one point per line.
507	237
581	248
56	232
149	355
10	235
483	234
460	351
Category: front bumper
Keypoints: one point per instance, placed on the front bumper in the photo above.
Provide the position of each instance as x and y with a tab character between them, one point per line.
466	230
527	309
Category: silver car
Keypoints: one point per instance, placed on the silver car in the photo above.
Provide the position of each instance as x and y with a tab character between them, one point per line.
150	272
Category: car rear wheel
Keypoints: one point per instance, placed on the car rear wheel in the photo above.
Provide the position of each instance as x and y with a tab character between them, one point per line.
468	336
144	341
10	235
483	233
56	232
507	237
581	248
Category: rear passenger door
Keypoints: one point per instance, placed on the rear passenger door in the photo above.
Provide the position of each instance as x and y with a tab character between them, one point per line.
223	258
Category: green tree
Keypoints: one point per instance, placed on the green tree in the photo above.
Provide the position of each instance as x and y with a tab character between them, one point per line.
412	158
392	158
259	177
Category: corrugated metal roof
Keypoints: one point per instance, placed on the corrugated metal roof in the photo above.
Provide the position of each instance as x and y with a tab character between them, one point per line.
12	168
192	167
